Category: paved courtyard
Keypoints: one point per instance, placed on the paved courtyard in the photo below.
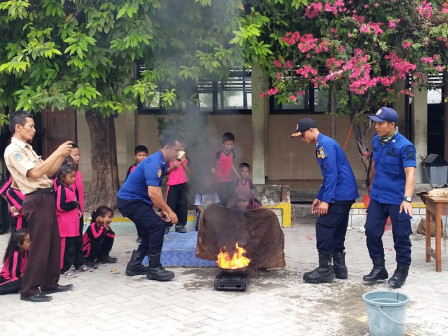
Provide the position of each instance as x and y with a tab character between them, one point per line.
106	302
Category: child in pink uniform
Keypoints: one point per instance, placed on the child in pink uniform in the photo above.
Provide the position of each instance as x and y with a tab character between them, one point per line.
68	212
14	262
14	198
99	238
223	167
177	192
75	155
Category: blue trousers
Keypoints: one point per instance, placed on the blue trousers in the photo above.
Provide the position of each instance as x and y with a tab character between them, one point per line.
148	223
377	214
332	227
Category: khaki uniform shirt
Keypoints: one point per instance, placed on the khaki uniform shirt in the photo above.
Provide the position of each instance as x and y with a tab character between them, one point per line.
19	158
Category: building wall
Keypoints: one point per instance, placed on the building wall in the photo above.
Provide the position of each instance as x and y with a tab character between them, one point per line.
287	159
291	159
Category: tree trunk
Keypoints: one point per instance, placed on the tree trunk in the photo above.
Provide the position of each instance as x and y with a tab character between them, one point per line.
104	182
362	131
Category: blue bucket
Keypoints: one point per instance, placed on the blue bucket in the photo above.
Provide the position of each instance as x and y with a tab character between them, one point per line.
386	312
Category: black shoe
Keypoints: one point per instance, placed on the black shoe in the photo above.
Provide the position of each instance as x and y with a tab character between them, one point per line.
181	229
135	266
39	297
324	273
108	260
156	270
399	278
339	267
377	273
58	289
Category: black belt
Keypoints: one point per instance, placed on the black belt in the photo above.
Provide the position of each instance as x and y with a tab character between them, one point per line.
49	190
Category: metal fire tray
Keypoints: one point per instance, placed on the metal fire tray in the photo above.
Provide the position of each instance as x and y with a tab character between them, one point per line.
226	281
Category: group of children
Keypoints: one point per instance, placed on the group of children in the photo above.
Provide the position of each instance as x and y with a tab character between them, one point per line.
82	251
216	186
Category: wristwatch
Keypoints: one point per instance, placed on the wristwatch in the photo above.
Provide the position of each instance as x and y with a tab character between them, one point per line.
407	199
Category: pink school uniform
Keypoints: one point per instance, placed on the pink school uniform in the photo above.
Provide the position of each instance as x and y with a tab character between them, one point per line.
177	192
10	275
67	212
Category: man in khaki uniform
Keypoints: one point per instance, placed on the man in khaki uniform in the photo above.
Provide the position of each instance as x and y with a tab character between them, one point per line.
30	174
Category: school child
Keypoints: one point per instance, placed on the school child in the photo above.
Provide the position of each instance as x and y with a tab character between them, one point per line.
75	156
177	191
244	200
5	186
99	238
14	262
223	167
245	179
140	153
205	196
67	212
14	198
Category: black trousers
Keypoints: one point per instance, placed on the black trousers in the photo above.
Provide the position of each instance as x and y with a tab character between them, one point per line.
225	192
43	264
79	255
100	248
177	200
10	287
377	214
68	252
144	217
332	227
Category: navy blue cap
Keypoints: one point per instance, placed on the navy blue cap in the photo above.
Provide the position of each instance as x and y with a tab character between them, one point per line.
304	125
385	114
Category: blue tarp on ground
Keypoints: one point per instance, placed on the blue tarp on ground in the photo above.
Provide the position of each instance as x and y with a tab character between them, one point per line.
179	249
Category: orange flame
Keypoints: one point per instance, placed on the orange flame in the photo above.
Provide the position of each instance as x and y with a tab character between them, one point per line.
238	260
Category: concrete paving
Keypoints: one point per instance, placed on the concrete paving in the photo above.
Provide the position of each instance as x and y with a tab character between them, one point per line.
107	302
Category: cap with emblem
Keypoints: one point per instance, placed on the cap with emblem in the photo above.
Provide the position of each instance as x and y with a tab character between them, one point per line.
385	114
304	125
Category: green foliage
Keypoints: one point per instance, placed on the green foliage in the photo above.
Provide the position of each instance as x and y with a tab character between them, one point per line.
82	54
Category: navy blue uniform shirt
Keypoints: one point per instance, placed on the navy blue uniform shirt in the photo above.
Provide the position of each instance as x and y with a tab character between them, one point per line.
339	183
149	172
390	160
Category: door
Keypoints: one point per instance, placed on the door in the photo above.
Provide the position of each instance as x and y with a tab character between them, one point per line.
58	126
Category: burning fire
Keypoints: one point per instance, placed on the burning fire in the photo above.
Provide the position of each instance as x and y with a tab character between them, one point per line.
238	260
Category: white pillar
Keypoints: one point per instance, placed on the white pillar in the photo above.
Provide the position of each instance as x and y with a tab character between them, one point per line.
260	112
420	130
131	135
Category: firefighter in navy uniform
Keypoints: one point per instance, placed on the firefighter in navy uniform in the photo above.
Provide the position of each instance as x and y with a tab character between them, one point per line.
333	203
393	180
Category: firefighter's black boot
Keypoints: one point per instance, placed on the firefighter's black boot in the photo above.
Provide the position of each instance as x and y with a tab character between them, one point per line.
377	273
398	279
339	267
135	266
324	273
156	270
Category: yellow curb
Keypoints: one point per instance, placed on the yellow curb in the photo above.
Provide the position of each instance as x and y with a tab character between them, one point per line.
359	205
286	212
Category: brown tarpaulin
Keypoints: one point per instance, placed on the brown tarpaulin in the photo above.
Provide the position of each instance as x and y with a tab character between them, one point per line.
258	231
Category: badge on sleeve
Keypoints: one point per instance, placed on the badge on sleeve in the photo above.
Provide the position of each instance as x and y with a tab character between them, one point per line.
159	173
18	156
321	153
410	152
